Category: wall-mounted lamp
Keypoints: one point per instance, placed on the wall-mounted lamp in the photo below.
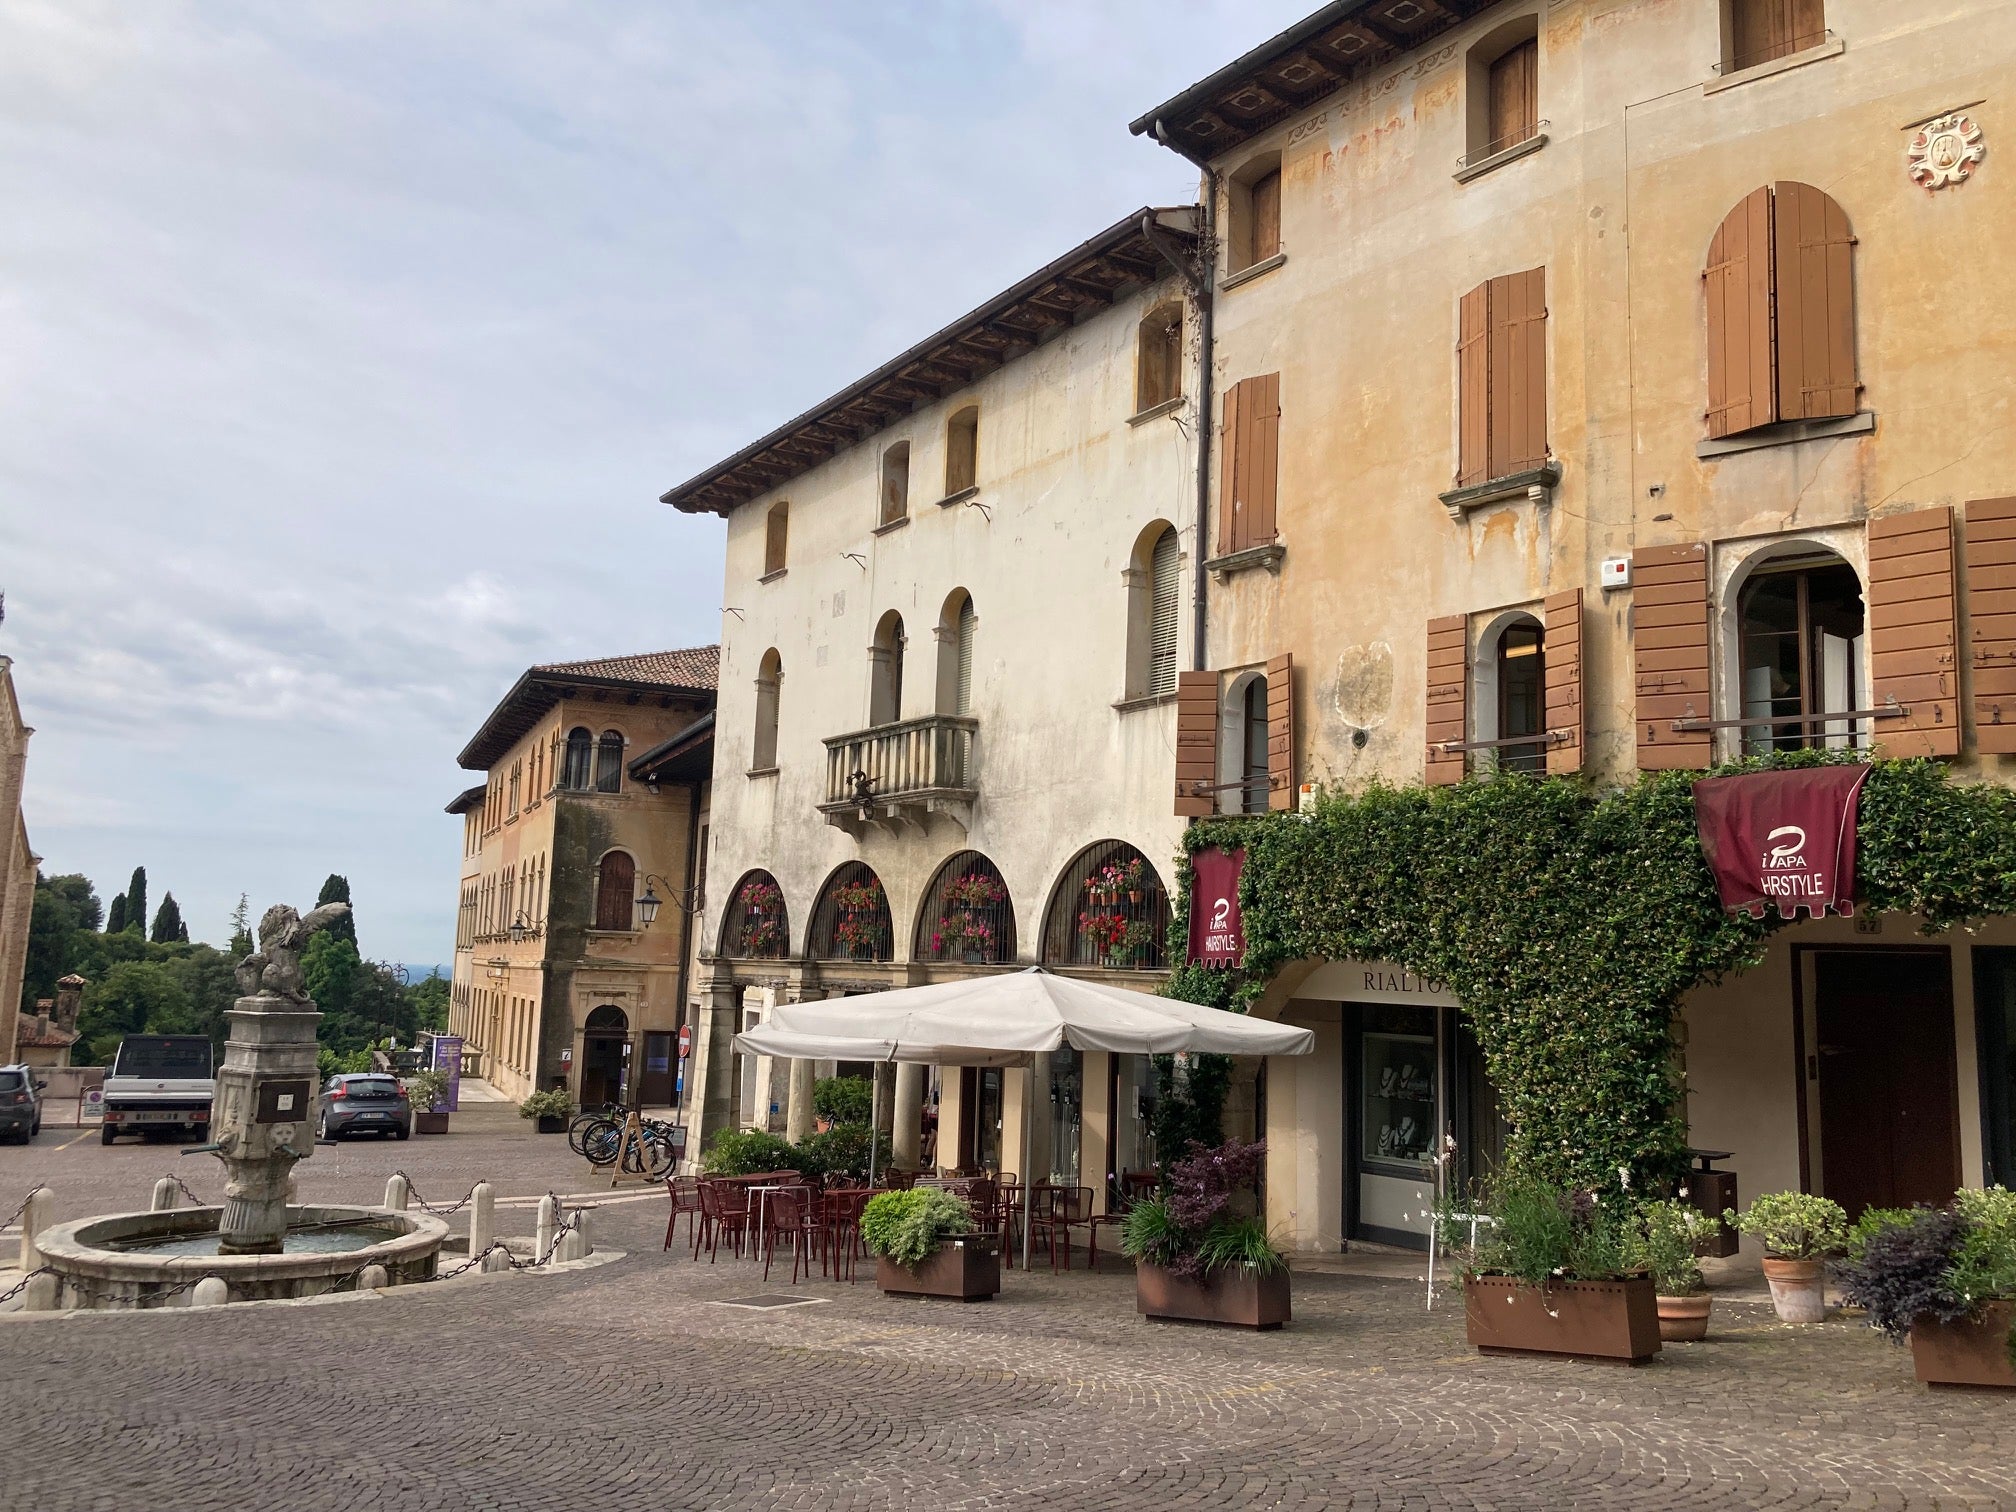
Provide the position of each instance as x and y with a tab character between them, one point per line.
686	899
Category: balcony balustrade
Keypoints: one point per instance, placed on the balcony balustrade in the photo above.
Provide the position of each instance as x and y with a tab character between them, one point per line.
899	775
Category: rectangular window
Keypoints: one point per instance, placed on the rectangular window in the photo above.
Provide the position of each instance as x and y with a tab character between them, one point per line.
1502	378
1515	96
1266	192
962	451
777	534
1250	453
1760	31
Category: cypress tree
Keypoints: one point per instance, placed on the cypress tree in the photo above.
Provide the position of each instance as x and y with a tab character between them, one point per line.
241	928
168	922
136	899
115	916
337	890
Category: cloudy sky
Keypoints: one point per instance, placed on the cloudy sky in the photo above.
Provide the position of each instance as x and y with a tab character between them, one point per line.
345	346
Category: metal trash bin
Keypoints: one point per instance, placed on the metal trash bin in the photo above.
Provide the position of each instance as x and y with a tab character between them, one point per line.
1712	1192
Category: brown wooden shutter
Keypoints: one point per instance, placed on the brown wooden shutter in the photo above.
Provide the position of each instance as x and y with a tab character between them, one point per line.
1282	791
1265	202
1230	476
1448	696
1815	286
1514	93
1991	622
1563	655
1473	400
1251	438
1913	631
614	885
1742	388
1196	742
1669	650
1518	372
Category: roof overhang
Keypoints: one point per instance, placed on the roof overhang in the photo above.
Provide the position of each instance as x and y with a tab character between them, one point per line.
466	800
537	692
1084	281
687	757
1319	54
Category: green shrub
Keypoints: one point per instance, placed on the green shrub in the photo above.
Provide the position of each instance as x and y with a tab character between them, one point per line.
1191	1227
1873	1224
1538	1231
745	1152
844	1099
1985	1266
1794	1225
427	1089
909	1227
841	1151
552	1103
1662	1241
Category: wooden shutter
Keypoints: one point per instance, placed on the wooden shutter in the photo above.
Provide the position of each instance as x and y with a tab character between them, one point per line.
1913	632
1563	656
1518	328
1669	651
1196	742
962	690
1165	597
1473	403
1814	282
1448	696
774	542
1514	92
1265	207
1742	389
1991	622
1282	791
617	880
1230	477
1251	441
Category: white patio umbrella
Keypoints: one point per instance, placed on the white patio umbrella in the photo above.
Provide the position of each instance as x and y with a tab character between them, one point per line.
1008	1020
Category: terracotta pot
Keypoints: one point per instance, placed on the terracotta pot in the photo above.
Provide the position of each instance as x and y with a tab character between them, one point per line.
1614	1321
966	1269
1971	1352
1235	1294
1798	1289
430	1123
1683	1320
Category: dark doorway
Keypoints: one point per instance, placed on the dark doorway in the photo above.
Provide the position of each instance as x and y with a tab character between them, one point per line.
1995	1015
1883	1060
654	1086
604	1038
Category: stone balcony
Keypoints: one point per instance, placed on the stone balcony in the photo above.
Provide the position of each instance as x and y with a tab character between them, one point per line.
899	775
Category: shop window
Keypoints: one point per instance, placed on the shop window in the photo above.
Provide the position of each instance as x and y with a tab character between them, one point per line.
962	451
967	914
850	920
615	891
576	773
756	926
885	671
776	537
1158	361
895	483
1109	909
1254	206
763	745
609	762
1800	650
1762	31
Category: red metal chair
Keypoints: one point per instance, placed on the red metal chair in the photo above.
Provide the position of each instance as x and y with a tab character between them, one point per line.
685	1194
788	1216
1065	1208
732	1204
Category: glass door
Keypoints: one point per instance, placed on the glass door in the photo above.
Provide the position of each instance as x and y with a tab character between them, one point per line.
1398	1093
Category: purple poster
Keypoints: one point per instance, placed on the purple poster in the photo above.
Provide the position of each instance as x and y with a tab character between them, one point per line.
447	1057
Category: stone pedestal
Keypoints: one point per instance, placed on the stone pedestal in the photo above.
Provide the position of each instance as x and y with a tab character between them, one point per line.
264	1116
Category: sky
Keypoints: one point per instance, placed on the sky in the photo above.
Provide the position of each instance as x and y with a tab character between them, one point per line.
346	346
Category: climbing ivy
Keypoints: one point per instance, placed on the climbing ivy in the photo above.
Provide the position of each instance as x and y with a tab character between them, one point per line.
1570	922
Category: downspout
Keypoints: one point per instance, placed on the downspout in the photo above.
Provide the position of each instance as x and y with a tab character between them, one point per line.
1200	280
686	943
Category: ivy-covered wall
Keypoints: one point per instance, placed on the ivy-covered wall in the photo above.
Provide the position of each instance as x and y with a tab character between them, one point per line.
1571	922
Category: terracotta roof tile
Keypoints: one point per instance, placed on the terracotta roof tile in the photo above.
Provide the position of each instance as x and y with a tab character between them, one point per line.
694	667
29	1037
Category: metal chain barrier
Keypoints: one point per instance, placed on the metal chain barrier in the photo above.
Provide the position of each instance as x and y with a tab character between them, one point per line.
40	1186
22	1285
189	1192
425	1206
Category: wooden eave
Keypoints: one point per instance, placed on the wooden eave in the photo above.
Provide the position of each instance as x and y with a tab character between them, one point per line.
1343	41
536	693
1086	279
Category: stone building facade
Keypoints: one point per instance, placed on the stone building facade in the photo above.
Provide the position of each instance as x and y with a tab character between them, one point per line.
17	860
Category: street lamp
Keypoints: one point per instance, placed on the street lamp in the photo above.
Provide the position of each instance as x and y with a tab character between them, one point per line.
517	930
686	899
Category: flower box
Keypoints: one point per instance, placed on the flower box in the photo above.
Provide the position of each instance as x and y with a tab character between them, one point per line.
1235	1294
547	1123
965	1269
1969	1352
425	1122
1615	1321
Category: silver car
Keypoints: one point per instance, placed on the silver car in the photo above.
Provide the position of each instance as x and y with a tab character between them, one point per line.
20	1107
369	1102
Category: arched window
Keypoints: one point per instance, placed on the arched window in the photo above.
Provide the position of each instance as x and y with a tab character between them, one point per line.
885	671
967	914
755	926
575	774
1800	626
776	537
1154	603
895	483
1254	200
851	921
957	624
609	763
1158	357
615	889
1109	908
962	450
1253	748
763	744
1519	661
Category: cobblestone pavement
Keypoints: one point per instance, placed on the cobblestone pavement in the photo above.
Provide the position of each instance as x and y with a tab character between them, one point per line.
623	1387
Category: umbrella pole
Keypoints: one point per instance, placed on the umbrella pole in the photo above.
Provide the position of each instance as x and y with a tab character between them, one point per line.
874	1121
1028	1176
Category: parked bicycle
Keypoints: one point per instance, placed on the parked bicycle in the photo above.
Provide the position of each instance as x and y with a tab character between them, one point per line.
590	1119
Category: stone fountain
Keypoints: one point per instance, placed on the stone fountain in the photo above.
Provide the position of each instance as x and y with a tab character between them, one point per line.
263	1121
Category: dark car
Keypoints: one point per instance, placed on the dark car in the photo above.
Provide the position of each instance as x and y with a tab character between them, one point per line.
20	1108
369	1102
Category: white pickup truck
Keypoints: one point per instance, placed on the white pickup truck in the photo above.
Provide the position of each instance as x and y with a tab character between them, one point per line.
160	1081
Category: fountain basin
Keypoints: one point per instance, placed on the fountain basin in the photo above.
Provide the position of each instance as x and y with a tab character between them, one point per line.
119	1261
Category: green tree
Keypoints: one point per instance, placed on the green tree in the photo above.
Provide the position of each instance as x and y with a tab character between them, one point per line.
52	938
429	1001
241	929
337	890
133	997
205	977
330	969
168	925
75	889
136	899
115	919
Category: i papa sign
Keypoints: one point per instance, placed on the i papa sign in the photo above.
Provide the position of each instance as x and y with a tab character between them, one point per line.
1783	838
1217	934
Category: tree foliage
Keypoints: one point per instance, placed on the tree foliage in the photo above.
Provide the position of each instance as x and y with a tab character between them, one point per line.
115	920
336	889
136	900
168	925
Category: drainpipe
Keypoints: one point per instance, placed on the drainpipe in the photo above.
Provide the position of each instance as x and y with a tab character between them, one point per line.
686	943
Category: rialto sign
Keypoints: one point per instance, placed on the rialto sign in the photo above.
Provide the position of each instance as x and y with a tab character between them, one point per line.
1217	933
1783	839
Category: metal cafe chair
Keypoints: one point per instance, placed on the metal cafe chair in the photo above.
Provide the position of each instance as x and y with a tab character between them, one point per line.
1065	1208
685	1194
789	1217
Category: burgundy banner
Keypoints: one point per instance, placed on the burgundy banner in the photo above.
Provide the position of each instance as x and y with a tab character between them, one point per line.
1782	837
1217	936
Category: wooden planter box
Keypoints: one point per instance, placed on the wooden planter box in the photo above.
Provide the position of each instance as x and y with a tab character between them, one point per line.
1234	1295
1971	1352
1615	1321
547	1123
429	1123
966	1269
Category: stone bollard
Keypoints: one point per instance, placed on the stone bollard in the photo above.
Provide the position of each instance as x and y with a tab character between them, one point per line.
34	1217
482	1217
494	1262
373	1278
578	1245
210	1292
41	1294
549	1225
166	1195
396	1192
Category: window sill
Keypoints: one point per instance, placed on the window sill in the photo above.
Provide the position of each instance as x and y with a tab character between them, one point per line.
614	934
1831	48
960	497
768	771
1786	433
771	577
1143	701
1268	556
1533	484
1156	411
1251	271
889	526
1500	158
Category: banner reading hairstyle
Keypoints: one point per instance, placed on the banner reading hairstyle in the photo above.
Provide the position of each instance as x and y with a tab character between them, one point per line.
1782	837
1217	935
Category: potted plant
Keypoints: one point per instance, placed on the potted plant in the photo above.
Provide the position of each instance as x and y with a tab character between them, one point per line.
1798	1230
1664	1238
1196	1256
1551	1273
842	1100
926	1245
963	935
1946	1279
549	1109
859	936
428	1092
